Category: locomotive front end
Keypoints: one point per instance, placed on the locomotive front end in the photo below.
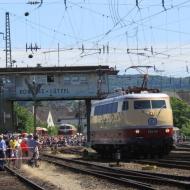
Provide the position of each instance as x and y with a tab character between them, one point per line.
151	124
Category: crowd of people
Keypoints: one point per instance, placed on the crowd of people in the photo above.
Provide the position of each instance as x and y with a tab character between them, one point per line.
63	140
15	149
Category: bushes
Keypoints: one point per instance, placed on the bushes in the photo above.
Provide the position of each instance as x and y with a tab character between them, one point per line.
181	115
52	130
24	119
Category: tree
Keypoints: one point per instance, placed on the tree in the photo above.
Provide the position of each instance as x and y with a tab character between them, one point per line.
24	119
181	115
52	130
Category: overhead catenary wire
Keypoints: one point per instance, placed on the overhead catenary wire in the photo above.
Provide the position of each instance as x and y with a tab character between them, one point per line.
145	18
57	33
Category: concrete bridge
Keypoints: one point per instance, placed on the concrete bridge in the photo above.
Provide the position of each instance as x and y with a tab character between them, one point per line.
50	83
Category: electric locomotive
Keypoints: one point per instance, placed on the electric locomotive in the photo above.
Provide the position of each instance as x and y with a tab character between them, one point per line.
136	124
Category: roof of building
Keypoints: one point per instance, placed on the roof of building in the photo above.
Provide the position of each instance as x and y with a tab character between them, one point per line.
53	70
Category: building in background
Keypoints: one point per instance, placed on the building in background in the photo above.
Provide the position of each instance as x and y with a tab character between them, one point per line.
50	122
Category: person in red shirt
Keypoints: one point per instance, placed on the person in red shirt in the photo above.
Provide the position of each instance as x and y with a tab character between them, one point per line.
24	148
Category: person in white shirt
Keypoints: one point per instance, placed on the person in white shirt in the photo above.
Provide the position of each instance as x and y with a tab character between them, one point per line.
3	148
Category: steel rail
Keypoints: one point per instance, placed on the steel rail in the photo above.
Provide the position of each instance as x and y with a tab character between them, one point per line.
182	148
177	156
176	177
183	162
164	164
151	179
129	182
182	181
185	145
24	179
125	171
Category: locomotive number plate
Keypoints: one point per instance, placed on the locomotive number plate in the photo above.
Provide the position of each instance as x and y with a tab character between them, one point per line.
152	121
152	131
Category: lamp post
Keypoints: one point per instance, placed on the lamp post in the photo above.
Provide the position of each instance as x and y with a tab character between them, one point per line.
34	88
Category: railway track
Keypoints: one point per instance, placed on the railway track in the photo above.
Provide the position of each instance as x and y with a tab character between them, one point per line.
168	163
183	147
177	155
140	180
185	144
10	179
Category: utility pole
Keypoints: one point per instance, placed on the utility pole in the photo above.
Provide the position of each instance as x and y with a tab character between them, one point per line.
9	62
88	110
58	54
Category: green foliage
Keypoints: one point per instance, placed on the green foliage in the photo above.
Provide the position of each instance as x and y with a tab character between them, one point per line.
52	130
42	124
181	114
24	119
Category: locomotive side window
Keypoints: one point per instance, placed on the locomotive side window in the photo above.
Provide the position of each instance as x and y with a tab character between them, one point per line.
142	104
97	110
156	104
105	109
110	108
125	106
114	107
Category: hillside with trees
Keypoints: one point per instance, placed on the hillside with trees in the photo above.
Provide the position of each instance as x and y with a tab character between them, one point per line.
154	81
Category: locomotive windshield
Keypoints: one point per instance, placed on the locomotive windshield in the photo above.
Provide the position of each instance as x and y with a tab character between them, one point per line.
142	104
156	104
65	127
149	104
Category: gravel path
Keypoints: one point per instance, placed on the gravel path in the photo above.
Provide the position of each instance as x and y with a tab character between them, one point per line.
66	180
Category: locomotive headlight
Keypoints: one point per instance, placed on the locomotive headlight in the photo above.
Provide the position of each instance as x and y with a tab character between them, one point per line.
167	130
137	131
151	113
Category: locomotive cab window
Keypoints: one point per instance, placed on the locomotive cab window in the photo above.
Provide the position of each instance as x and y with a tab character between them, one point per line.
142	104
125	106
156	104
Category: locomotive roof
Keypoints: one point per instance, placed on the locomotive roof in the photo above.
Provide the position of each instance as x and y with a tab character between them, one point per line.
133	96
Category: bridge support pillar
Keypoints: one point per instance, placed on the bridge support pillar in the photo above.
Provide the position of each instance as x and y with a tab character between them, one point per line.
88	110
6	121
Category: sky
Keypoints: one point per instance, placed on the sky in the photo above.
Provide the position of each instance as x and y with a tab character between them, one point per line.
118	33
